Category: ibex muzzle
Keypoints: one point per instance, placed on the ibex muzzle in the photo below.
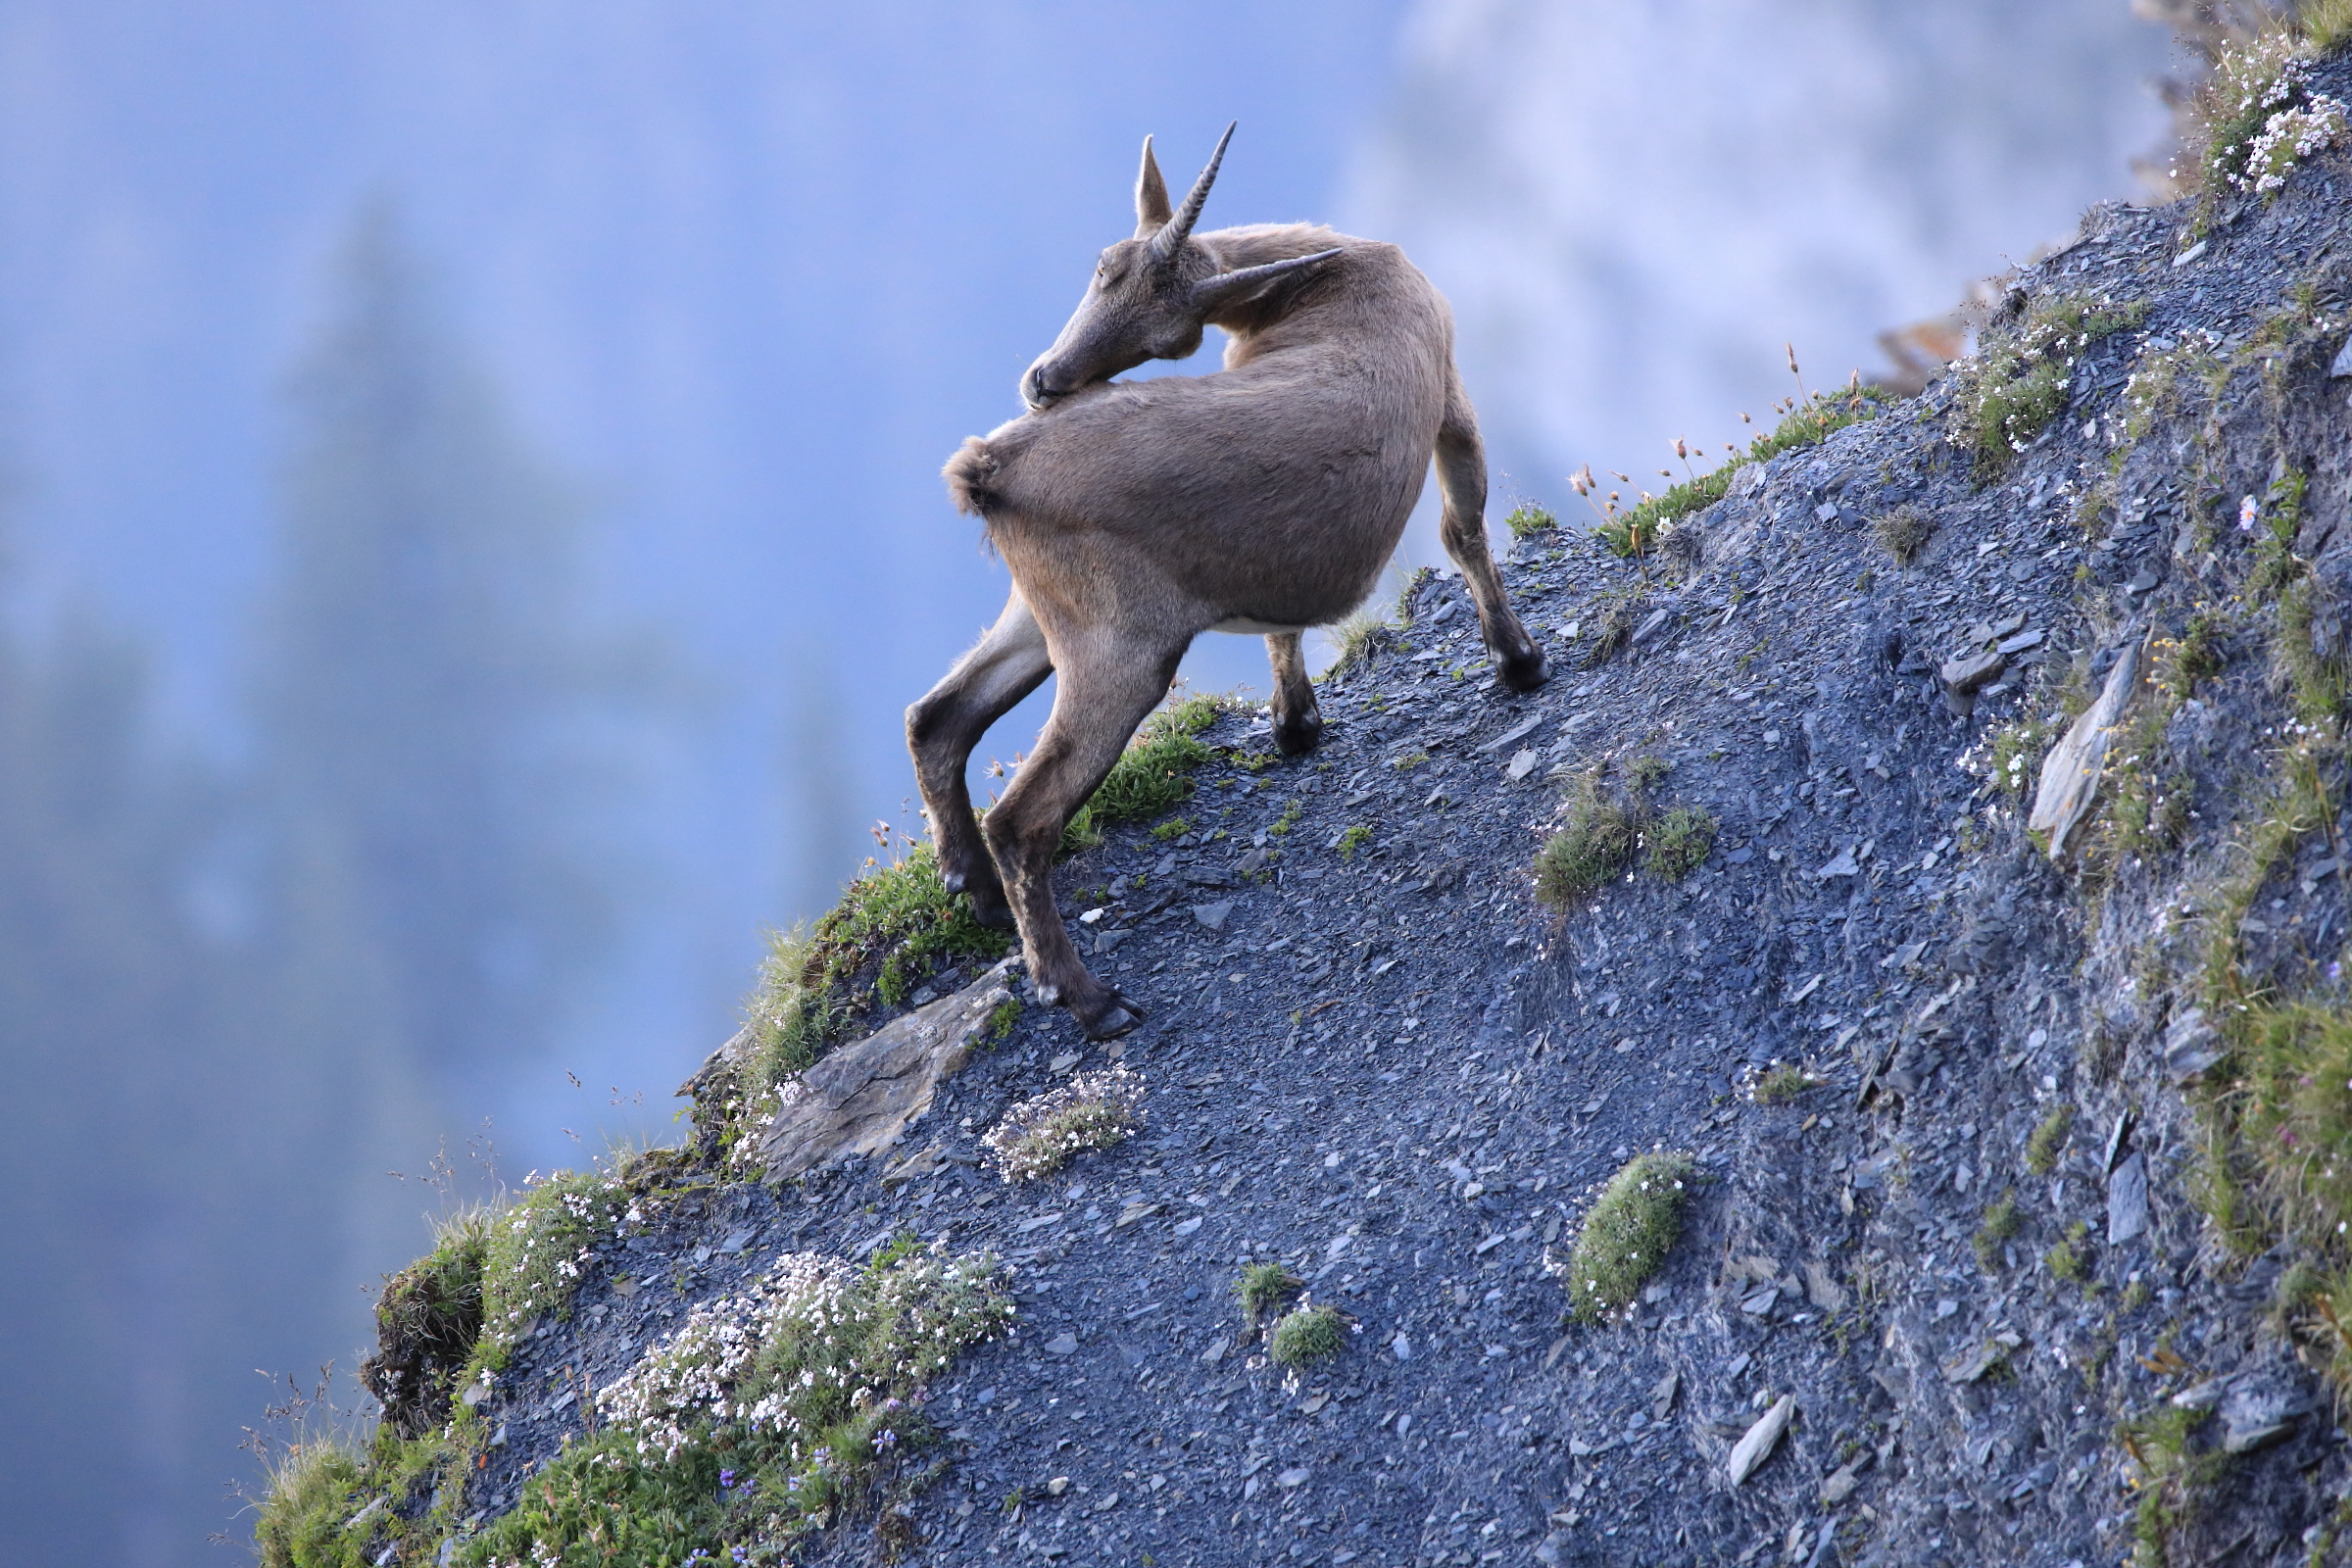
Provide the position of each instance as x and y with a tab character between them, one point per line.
1135	516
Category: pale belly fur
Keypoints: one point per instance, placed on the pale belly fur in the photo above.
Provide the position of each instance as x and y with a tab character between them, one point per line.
1242	626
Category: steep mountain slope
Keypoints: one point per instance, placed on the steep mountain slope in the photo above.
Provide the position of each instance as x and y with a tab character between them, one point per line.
2002	1237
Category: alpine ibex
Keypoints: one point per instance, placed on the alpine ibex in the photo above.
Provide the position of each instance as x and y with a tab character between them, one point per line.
1135	516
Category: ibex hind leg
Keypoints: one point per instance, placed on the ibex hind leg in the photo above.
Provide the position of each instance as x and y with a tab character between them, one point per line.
1462	478
1009	664
1097	708
1298	722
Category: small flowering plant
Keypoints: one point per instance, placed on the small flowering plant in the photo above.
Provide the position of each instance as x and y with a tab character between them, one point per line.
1092	1110
2023	380
2263	119
2009	756
542	1247
1627	1234
806	1385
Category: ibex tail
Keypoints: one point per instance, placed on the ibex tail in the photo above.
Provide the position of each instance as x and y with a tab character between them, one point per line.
970	474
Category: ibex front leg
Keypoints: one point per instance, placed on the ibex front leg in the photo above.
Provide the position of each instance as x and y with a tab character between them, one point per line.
1298	722
1103	695
942	729
1462	478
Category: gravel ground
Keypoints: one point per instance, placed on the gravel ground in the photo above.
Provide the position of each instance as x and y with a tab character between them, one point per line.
1395	1071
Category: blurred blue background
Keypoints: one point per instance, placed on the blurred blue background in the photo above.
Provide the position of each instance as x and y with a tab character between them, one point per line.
472	525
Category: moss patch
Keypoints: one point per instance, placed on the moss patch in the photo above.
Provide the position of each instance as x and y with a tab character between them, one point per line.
1311	1334
1627	1234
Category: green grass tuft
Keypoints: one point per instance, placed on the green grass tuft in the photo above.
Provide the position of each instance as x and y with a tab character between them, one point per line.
1265	1288
2295	1117
1311	1334
314	1489
1356	838
335	1503
1783	1084
1634	532
1627	1234
1998	1227
1528	519
1679	841
1595	845
2328	24
2070	1258
2049	1139
892	927
1154	776
1903	533
2023	379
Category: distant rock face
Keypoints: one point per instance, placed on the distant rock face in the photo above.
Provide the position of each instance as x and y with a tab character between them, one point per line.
1633	206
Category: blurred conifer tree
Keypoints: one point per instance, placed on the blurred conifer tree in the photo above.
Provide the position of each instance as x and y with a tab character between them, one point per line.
430	690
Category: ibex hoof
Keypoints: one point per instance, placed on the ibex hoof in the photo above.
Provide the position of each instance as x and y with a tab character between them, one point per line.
990	908
1117	1016
1299	736
1524	672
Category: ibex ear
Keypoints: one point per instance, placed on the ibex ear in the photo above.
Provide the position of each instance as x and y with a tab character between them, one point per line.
1224	291
1151	210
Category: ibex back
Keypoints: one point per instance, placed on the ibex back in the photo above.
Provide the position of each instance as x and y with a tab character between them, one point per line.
1135	516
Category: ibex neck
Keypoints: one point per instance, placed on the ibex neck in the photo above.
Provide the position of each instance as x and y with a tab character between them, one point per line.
1256	244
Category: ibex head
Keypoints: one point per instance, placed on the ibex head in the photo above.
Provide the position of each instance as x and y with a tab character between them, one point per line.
1152	294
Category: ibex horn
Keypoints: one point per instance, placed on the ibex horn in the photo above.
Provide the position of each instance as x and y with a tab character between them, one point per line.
1211	292
1171	235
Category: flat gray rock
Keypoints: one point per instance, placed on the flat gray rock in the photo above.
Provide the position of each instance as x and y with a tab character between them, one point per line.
1755	1448
859	1100
2260	1408
2127	1200
2070	774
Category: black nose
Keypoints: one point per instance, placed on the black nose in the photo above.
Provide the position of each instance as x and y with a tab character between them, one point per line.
1034	390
